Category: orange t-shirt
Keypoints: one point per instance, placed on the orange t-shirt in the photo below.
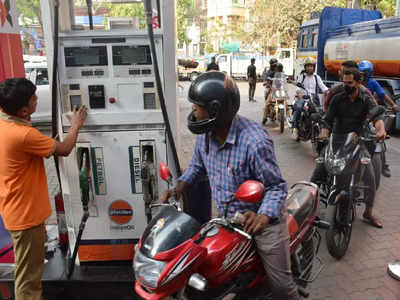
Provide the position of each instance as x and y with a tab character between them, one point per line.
24	198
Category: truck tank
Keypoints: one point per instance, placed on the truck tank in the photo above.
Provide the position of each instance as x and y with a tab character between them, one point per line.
377	41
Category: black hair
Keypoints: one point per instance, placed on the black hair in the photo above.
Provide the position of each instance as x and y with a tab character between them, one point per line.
15	93
349	64
352	71
253	60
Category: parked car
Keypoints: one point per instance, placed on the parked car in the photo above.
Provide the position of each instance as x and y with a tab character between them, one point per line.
38	74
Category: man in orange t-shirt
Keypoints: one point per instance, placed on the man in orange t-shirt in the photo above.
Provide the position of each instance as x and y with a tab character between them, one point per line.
24	199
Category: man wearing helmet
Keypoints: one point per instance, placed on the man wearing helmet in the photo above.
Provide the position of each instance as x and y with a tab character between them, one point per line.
232	149
366	69
268	77
312	82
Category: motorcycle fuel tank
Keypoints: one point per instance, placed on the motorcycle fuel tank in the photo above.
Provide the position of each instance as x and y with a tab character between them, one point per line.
229	253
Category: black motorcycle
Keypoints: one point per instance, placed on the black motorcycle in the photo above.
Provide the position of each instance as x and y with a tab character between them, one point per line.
309	122
346	159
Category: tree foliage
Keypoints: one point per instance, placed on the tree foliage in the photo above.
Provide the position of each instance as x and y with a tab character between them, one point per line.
184	16
30	9
275	21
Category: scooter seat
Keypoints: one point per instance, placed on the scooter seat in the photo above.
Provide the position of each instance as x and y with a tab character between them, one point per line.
301	202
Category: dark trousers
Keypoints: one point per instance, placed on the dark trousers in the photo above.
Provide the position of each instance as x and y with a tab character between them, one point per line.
252	88
298	108
320	175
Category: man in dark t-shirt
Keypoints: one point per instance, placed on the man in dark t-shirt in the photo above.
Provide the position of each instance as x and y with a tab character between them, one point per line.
252	77
213	66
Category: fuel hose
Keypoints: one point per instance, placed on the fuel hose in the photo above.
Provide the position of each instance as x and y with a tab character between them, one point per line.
149	15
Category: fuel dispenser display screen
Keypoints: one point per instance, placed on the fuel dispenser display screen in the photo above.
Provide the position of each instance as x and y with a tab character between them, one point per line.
131	55
85	56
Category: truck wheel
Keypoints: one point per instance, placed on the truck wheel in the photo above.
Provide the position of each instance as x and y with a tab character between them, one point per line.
193	76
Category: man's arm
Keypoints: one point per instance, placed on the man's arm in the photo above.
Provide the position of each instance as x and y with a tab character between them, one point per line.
265	169
194	170
329	117
77	120
379	124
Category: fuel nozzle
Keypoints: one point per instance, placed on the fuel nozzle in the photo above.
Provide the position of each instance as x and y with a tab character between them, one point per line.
84	181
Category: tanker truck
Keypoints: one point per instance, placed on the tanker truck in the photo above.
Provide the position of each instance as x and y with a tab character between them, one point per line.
355	34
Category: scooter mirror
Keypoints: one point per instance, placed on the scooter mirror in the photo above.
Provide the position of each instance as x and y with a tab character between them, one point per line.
165	173
250	191
300	85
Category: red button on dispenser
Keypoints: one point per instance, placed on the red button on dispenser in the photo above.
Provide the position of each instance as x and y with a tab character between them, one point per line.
112	100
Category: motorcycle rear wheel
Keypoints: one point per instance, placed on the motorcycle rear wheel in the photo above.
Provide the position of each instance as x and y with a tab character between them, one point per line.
338	235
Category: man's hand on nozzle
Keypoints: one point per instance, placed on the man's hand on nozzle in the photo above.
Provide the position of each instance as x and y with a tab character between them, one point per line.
78	117
166	195
395	108
174	192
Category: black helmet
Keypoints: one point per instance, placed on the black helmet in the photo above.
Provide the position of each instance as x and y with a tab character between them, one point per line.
221	99
273	62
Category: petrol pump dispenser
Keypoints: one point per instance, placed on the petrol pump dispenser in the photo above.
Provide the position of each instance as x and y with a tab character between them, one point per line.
111	71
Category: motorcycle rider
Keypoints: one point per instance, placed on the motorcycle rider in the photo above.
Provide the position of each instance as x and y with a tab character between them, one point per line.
339	88
267	77
312	82
346	113
366	69
232	149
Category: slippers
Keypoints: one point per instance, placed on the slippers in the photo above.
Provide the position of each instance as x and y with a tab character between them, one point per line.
371	220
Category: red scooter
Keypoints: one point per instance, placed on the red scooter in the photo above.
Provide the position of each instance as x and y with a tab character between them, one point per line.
179	259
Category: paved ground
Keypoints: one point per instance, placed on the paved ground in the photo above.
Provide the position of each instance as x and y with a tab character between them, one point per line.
361	274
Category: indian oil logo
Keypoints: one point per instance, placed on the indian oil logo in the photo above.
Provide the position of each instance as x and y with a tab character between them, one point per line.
120	212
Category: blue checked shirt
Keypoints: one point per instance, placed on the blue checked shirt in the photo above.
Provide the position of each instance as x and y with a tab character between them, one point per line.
248	153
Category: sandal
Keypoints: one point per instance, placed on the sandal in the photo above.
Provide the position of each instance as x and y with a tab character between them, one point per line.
372	221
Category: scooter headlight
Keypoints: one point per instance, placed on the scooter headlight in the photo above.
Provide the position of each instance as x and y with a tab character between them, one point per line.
147	271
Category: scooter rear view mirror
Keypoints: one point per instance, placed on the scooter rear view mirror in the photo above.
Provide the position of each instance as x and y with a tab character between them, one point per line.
165	173
250	191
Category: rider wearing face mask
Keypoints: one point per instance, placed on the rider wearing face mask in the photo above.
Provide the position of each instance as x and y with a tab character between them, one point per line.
339	88
346	113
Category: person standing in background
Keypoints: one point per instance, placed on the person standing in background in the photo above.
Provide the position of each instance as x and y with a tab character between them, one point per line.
213	66
252	77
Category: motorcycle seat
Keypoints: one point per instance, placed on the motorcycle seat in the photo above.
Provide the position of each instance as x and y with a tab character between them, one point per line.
301	202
